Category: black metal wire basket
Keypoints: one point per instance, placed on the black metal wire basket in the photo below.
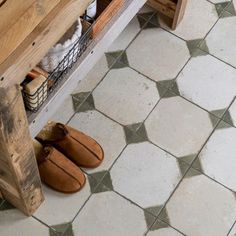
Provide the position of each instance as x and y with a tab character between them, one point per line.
34	101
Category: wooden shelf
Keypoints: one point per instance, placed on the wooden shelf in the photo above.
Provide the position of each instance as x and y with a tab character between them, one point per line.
89	58
36	27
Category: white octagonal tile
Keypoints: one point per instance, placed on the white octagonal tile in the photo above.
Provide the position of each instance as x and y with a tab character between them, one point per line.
175	125
126	96
126	36
201	207
107	214
64	112
90	81
158	54
208	82
222	39
106	132
232	111
199	17
61	208
218	157
145	174
13	222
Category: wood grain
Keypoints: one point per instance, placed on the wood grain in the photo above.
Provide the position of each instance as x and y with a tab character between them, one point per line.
179	13
166	7
19	178
42	38
9	8
107	9
24	25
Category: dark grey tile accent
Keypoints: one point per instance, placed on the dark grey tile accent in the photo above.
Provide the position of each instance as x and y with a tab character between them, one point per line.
214	120
220	7
149	218
78	99
159	225
135	133
155	210
193	47
152	23
231	9
121	62
164	216
62	229
183	166
105	185
174	88
87	105
169	94
219	113
93	183
188	159
203	46
191	173
227	118
197	165
223	125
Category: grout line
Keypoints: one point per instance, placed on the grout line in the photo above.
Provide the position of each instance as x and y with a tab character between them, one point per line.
231	228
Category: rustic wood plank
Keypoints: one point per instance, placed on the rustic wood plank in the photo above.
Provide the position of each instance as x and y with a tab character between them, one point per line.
36	45
109	10
19	178
179	13
166	7
24	25
9	8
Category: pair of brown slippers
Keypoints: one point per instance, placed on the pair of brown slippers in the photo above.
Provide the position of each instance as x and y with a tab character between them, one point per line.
61	151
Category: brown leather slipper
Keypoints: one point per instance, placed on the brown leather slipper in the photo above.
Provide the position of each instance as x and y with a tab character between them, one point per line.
77	146
57	171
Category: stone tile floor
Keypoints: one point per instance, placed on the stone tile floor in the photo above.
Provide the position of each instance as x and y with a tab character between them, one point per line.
162	104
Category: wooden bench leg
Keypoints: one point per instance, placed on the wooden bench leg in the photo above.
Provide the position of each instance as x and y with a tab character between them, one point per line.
19	178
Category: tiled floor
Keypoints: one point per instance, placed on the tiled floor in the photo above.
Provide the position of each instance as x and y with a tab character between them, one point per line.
162	104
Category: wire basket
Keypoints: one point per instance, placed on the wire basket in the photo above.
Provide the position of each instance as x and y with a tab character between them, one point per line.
34	100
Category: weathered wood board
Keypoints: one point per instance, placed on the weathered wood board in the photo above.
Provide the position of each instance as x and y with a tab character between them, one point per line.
19	177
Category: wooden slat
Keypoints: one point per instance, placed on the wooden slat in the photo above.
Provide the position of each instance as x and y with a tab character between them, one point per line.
19	178
9	8
166	7
24	25
179	13
110	10
44	36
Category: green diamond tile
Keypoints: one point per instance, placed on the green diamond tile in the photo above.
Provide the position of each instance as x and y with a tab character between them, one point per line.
203	46
188	159
121	62
159	225
149	218
227	118
220	7
214	120
164	215
223	125
135	133
231	9
191	173
197	165
87	105
193	47
183	167
155	210
78	99
61	229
